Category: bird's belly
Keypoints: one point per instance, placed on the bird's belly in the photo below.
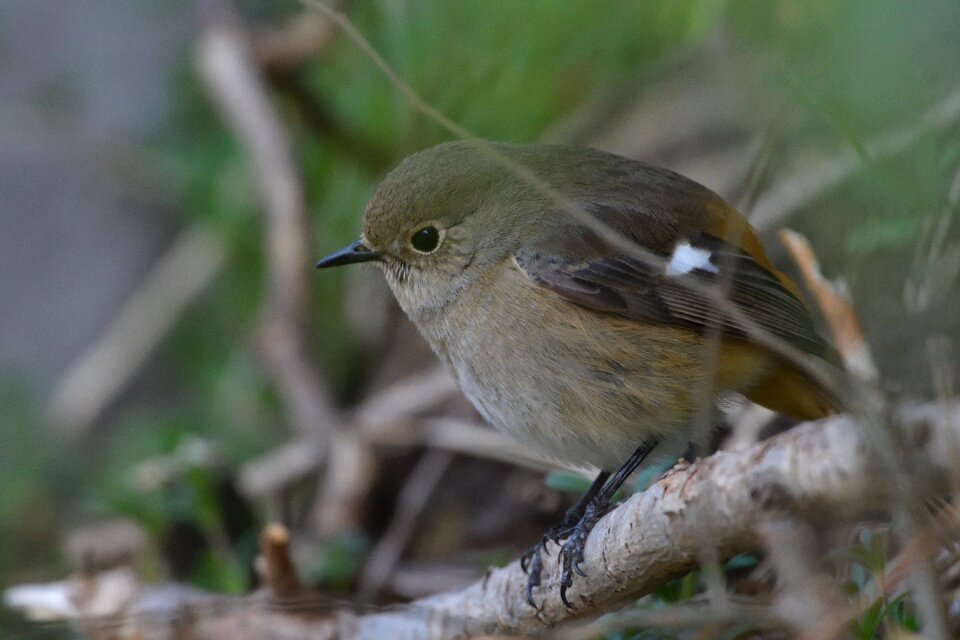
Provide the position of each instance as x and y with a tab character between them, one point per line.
574	384
572	420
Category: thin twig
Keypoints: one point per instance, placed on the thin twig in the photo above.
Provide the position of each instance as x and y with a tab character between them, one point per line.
893	452
279	572
844	324
410	504
226	62
107	366
825	172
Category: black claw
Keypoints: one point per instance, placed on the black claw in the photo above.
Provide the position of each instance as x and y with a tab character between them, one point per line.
576	567
570	556
566	575
531	560
527	556
576	527
532	564
533	580
563	592
572	551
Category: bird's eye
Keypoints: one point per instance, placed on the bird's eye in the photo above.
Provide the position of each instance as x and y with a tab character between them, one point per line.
425	240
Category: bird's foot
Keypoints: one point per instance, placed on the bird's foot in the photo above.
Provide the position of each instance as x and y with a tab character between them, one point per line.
531	560
571	553
532	565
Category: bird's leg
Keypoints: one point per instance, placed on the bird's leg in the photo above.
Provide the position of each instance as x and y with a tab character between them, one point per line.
530	560
571	553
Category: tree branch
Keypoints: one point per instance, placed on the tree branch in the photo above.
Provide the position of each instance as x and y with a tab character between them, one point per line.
821	472
107	366
226	62
815	472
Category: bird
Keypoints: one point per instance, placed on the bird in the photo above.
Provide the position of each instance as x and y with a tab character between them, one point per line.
577	296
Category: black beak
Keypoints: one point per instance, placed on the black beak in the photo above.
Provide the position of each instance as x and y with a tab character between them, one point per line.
356	252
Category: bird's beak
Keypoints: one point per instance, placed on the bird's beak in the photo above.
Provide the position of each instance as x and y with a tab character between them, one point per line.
356	252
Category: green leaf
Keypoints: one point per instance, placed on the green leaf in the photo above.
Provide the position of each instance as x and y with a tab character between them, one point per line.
568	482
338	561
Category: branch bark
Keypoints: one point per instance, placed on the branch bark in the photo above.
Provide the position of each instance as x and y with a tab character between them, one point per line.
821	473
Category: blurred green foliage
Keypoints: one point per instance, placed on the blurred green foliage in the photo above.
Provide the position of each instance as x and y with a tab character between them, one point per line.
502	70
336	565
34	480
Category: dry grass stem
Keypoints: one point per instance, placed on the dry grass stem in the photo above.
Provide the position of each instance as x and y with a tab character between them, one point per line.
844	324
830	170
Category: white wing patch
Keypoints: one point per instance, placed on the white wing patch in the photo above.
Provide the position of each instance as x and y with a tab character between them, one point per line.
686	258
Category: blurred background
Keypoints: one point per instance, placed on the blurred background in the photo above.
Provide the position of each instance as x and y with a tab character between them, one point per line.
172	373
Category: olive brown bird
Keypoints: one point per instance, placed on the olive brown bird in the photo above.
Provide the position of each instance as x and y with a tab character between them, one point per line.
565	338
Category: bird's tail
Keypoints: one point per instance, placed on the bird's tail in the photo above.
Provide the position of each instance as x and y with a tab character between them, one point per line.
789	391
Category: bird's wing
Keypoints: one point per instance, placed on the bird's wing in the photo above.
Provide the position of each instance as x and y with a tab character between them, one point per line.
702	255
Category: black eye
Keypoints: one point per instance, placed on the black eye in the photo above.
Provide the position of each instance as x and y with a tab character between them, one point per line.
425	240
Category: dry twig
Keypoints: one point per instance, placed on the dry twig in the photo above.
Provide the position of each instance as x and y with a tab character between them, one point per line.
107	366
844	324
893	452
816	472
226	62
410	504
279	572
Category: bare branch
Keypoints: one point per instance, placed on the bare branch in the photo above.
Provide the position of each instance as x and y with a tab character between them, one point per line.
226	62
107	366
818	472
815	471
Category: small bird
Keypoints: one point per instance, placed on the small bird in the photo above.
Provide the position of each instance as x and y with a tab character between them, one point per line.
571	301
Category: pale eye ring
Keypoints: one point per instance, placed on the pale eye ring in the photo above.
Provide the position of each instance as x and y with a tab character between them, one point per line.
427	239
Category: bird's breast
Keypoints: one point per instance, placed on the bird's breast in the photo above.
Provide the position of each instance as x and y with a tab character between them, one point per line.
575	384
